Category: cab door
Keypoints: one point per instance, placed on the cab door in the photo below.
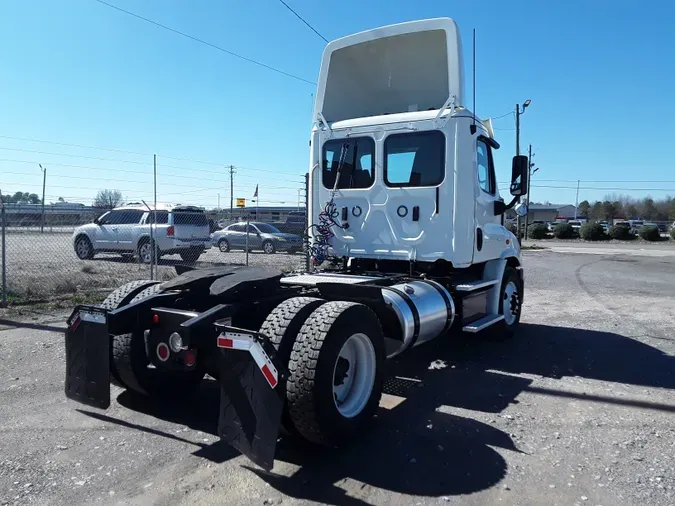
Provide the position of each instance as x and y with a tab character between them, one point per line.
490	235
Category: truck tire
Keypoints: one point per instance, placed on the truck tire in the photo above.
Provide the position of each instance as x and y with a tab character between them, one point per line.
511	297
132	363
123	295
282	326
118	298
336	373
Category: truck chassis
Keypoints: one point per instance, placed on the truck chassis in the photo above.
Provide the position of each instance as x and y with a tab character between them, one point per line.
303	354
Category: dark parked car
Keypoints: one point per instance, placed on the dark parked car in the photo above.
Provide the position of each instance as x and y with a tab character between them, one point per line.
294	223
261	236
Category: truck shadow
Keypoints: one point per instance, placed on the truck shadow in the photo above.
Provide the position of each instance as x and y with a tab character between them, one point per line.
417	445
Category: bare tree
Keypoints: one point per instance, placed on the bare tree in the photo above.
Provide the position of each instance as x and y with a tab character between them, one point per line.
108	199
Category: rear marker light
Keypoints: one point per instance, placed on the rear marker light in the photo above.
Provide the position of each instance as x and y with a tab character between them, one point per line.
190	358
163	352
170	232
246	342
76	323
224	342
155	319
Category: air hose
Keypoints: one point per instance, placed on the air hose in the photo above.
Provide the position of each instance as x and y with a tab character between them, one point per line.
319	250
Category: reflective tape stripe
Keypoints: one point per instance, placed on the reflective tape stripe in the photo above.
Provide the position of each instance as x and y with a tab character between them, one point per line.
243	342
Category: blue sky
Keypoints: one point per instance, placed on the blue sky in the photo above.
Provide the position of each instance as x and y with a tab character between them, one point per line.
599	74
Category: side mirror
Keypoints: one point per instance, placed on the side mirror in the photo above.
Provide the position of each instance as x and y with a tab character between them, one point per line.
519	175
97	221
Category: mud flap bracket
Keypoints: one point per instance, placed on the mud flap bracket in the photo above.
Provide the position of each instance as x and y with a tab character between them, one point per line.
88	357
251	398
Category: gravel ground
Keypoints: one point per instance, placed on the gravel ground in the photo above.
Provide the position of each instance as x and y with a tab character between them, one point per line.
578	409
40	266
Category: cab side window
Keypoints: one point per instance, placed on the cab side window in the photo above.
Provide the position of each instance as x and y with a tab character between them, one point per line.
485	167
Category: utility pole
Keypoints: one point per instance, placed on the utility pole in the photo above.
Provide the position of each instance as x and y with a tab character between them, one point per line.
231	192
518	113
529	179
44	184
576	205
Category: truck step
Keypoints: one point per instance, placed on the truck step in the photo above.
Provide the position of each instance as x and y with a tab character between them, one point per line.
472	286
483	323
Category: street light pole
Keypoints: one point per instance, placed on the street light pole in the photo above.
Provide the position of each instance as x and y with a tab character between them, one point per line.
518	113
529	179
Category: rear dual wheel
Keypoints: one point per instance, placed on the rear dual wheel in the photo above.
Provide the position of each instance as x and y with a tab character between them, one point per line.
132	364
335	354
118	298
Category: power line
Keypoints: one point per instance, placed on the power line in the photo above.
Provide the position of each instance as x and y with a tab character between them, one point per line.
73	156
510	113
201	188
74	145
159	155
201	41
606	188
596	181
301	19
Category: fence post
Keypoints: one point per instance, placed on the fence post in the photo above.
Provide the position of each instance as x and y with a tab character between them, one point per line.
247	223
155	248
4	258
306	238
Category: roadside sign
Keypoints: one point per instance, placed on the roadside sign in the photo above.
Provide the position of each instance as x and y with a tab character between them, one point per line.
241	202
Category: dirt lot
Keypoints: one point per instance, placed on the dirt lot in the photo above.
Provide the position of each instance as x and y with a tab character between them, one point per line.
578	409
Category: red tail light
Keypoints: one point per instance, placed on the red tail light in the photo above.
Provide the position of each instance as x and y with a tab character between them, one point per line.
170	231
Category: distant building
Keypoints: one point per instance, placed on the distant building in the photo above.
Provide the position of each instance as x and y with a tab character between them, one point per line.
547	212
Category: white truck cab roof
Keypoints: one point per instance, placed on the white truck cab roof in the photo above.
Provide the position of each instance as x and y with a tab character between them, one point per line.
406	67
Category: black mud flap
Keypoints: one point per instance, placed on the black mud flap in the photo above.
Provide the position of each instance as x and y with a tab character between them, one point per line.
250	407
88	357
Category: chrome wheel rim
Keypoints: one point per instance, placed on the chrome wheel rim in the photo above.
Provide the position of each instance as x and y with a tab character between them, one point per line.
354	375
510	303
269	247
145	252
223	246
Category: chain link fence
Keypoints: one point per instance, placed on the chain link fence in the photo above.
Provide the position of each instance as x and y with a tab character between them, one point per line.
76	253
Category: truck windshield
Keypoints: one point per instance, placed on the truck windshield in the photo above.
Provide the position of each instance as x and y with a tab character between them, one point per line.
358	168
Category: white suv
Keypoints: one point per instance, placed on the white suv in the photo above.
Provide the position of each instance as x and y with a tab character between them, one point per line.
182	230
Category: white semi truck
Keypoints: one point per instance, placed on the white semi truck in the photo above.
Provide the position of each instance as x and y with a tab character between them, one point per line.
407	243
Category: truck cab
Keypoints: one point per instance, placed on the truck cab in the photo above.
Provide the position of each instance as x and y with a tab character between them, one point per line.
417	178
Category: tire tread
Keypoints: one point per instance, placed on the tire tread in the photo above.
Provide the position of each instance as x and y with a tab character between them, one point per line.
303	369
122	348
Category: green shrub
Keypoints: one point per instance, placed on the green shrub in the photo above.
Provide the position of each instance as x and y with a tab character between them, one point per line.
511	227
620	233
672	233
564	231
650	233
592	231
537	231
